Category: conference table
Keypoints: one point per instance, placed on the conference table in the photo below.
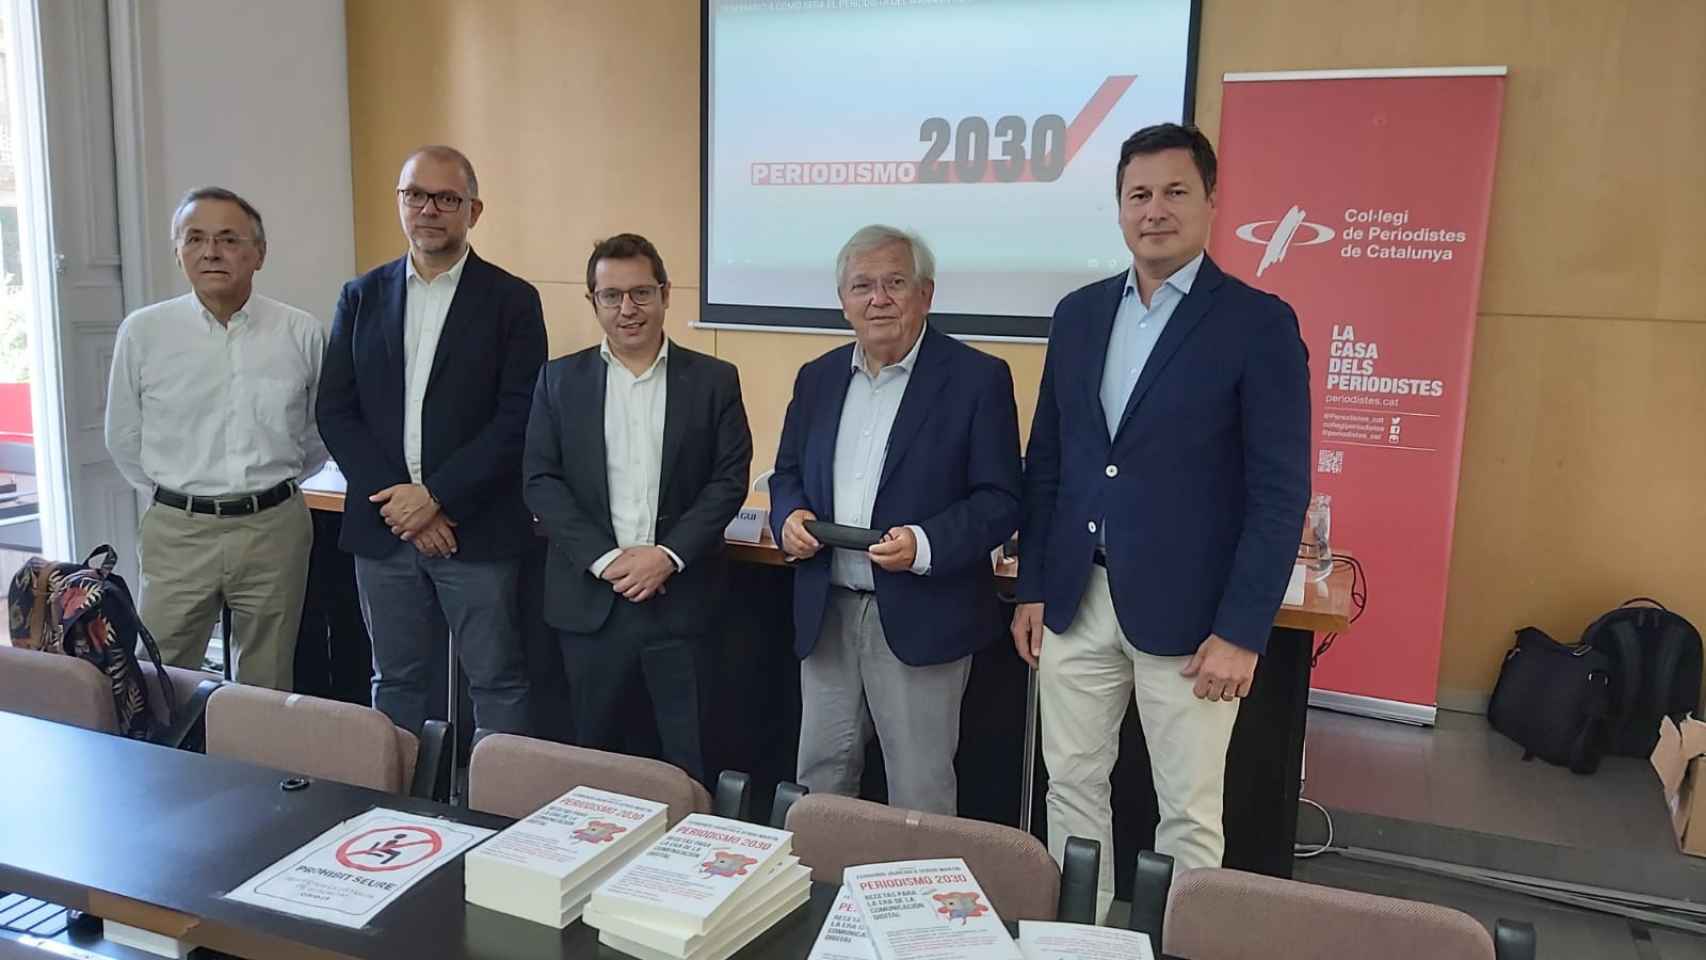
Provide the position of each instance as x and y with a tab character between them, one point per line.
752	723
153	837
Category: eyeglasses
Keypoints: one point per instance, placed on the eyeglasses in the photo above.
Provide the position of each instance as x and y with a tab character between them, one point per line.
223	242
446	201
896	286
610	298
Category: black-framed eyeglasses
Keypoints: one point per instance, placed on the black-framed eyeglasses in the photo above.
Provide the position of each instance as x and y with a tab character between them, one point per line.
447	201
610	298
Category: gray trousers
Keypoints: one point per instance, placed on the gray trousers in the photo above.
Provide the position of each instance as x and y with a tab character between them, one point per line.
851	680
405	599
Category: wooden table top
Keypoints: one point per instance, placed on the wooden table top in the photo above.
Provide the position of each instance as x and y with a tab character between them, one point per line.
1326	605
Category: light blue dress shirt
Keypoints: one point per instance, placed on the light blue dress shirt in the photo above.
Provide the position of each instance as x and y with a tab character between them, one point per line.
1136	330
861	445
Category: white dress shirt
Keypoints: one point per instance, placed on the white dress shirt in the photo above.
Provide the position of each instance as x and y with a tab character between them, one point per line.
425	305
861	446
633	451
212	410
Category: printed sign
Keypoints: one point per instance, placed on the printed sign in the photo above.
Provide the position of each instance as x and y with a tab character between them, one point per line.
359	867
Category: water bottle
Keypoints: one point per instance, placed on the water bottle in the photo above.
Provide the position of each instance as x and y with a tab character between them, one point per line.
1317	552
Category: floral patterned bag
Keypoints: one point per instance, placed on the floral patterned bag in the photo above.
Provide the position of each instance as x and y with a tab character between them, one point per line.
86	611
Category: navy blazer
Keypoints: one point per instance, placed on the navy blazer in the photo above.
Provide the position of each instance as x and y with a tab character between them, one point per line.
1204	485
706	460
952	467
474	417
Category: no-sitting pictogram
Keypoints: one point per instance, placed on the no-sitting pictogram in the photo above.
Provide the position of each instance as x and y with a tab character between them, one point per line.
384	849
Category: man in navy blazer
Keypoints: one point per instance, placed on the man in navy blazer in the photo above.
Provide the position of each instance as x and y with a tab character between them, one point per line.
912	433
1165	486
424	396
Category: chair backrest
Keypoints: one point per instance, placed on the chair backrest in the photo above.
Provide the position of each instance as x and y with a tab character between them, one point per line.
513	776
833	833
53	686
184	682
310	736
1311	922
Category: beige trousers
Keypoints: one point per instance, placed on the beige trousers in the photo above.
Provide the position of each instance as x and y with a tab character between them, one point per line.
193	563
1087	677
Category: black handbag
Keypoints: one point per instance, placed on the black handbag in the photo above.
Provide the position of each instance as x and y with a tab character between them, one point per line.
1551	699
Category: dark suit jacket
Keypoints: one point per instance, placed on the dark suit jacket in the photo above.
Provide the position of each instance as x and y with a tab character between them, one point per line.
952	467
1204	485
473	419
707	460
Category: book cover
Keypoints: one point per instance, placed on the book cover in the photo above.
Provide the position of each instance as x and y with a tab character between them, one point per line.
843	936
568	837
700	871
772	898
928	910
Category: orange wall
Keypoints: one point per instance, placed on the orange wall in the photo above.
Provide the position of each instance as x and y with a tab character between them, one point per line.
1585	447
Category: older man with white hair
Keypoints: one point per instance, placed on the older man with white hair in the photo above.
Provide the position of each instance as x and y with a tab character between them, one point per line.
912	436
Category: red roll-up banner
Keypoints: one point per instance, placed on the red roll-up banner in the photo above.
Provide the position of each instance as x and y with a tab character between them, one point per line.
1361	197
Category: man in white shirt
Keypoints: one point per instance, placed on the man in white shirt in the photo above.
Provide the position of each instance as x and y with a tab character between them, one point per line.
210	412
423	401
637	457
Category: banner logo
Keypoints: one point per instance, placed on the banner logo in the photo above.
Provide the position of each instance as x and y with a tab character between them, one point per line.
1284	236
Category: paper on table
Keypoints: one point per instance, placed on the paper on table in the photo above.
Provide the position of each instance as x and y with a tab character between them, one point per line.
1077	941
351	872
1294	589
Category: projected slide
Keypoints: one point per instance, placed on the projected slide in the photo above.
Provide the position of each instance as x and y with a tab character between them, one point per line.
991	127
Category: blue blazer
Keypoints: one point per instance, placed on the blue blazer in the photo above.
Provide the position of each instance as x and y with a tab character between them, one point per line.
474	419
952	467
1204	484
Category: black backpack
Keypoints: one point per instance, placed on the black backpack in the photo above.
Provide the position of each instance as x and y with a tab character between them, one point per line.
1655	672
1551	699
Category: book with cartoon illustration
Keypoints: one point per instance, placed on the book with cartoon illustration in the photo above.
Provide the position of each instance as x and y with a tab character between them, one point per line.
928	910
843	936
1077	941
544	867
704	882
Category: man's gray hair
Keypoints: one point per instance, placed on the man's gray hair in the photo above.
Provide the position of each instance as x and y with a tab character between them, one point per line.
217	193
881	235
439	151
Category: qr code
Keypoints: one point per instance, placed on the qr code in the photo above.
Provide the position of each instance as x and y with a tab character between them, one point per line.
1330	461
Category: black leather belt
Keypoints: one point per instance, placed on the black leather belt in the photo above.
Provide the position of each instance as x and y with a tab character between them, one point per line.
227	506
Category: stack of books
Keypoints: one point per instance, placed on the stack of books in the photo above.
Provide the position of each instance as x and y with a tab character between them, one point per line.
915	909
544	868
705	890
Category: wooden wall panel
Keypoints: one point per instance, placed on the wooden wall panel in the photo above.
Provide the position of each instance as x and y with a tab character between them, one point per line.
1583	458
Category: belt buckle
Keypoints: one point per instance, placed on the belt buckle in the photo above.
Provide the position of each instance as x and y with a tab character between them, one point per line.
254	503
218	506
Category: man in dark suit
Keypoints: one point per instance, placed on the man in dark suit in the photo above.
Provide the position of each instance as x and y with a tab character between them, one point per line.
423	404
637	458
1165	485
915	434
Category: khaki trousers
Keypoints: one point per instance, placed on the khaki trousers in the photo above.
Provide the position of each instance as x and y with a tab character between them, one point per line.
1086	678
193	563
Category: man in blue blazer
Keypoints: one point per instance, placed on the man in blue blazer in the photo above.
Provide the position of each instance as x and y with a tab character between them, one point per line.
1165	486
912	433
424	396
